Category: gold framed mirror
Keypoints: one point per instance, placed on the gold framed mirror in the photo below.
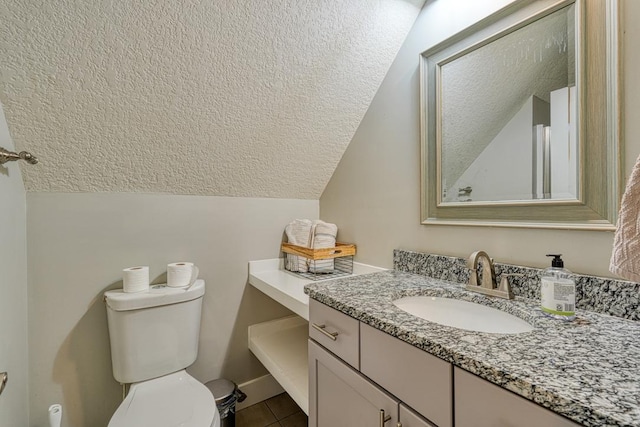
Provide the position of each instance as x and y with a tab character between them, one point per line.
520	119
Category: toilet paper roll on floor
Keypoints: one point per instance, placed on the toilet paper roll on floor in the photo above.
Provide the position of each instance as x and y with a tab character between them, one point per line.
135	279
55	415
181	274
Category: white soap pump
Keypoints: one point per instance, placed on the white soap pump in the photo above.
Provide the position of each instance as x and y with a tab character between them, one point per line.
558	291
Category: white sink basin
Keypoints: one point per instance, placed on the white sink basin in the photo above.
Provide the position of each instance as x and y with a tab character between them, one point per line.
463	315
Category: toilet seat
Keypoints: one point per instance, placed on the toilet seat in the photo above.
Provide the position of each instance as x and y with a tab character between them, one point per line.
174	400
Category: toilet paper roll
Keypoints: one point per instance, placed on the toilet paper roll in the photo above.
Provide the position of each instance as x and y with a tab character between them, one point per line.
55	415
135	279
181	274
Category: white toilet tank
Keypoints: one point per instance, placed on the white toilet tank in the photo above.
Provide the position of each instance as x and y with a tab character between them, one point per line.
153	333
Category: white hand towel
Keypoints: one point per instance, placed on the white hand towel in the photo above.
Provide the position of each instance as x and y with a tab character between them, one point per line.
298	233
625	259
324	236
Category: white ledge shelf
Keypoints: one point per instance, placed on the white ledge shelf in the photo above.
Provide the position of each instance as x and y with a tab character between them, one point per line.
281	345
270	277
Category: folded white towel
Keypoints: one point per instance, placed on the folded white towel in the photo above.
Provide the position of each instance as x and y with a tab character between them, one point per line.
323	236
298	233
625	259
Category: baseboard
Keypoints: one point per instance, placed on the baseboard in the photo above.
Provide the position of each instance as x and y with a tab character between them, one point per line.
259	389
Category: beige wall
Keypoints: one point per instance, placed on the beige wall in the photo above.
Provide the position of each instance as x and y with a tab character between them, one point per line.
79	243
374	194
13	288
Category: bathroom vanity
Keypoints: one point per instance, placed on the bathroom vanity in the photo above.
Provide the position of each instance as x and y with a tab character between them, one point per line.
560	374
371	363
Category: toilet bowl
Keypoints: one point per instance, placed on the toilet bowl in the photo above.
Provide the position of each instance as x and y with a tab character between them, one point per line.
174	400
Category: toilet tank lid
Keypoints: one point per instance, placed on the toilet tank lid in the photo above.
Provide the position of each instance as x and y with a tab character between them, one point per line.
156	296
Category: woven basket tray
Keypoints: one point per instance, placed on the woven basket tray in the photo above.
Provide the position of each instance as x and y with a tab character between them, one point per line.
341	249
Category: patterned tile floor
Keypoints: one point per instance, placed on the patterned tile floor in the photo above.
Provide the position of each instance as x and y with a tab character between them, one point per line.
279	411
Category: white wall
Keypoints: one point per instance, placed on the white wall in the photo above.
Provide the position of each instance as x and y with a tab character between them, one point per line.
374	194
78	245
13	289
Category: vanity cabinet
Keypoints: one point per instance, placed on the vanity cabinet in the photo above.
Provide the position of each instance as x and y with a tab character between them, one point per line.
339	393
480	403
355	371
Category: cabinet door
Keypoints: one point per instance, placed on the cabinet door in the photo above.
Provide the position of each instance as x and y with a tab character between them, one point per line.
408	418
482	404
419	379
341	397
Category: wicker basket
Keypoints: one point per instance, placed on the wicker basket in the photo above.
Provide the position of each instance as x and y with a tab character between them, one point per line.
319	264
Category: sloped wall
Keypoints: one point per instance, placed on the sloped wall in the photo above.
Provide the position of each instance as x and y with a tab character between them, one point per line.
374	193
244	98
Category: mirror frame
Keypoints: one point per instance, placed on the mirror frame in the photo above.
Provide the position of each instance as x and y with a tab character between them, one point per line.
598	80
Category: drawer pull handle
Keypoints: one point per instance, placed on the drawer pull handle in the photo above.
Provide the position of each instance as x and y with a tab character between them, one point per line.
320	328
383	419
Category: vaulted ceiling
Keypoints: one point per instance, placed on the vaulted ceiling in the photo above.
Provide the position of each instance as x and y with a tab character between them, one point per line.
255	98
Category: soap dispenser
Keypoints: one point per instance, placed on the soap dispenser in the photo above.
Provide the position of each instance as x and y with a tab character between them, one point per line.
558	291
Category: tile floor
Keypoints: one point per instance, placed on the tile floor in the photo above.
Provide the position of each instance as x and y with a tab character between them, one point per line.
279	411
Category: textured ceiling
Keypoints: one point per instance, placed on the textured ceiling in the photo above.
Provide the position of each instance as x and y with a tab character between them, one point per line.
255	98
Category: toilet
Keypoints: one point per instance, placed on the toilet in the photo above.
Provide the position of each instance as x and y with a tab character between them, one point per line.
154	337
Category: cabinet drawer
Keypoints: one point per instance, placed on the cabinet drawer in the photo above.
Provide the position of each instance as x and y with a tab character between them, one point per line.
419	379
480	403
325	324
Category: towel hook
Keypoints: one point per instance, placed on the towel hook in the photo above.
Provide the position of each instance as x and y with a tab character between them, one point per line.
4	376
10	156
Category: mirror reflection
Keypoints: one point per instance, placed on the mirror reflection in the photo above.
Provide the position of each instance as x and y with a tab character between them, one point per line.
508	113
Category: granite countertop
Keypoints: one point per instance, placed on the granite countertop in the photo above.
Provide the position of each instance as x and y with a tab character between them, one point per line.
587	370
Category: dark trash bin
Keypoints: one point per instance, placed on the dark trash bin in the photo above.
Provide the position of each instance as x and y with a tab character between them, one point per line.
227	395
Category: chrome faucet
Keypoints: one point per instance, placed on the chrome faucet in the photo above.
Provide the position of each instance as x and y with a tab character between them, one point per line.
489	286
488	270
